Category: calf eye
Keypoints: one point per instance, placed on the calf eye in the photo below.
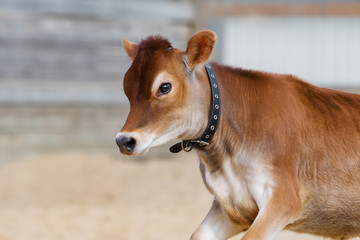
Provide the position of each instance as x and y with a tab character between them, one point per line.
164	88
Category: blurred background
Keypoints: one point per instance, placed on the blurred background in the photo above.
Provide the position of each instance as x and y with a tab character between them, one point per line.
61	104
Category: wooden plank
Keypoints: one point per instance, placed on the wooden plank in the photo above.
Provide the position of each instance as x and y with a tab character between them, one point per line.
62	92
281	9
164	10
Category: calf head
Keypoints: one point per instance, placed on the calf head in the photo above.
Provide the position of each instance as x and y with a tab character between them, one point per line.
166	90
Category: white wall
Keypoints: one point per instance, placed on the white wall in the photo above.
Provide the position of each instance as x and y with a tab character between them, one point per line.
323	51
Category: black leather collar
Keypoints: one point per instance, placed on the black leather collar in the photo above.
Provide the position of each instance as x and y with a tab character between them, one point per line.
204	140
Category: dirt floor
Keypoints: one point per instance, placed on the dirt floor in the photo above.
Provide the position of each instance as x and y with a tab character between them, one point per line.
61	196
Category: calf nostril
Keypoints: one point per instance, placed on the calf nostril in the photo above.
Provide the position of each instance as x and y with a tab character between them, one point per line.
128	143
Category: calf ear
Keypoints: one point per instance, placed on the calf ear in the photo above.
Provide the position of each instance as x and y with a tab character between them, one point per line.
199	48
130	48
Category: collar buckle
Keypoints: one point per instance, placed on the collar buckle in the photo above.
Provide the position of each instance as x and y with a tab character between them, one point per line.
188	145
201	143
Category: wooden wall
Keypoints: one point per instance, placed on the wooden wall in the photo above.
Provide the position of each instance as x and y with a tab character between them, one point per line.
61	69
81	39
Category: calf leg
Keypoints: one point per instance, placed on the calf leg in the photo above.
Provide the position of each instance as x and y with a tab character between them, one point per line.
282	208
216	225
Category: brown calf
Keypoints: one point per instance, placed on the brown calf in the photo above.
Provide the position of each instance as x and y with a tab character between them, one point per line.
286	154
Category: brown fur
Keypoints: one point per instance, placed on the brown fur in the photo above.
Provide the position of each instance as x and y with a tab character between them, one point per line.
308	138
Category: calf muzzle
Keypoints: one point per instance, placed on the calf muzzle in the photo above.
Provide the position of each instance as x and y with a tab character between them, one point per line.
126	144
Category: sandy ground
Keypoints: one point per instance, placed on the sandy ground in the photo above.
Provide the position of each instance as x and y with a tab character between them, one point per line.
86	197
